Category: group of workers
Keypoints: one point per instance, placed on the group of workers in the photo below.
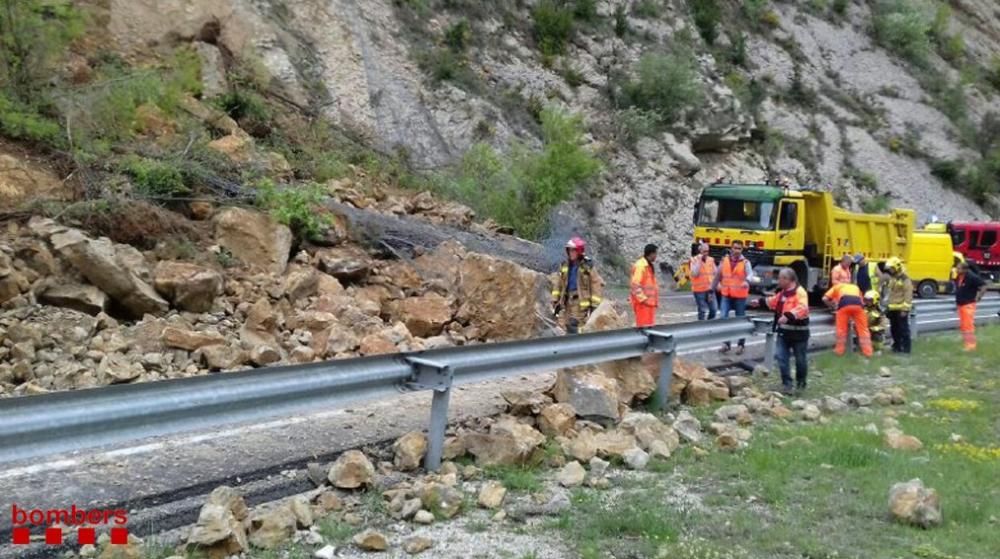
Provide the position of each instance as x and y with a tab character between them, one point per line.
858	289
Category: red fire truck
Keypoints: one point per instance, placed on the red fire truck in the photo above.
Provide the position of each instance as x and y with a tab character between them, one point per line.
979	242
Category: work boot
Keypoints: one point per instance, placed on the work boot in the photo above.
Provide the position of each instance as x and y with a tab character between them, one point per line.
787	390
725	348
740	349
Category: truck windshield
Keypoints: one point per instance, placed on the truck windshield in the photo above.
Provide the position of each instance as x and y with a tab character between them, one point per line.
736	214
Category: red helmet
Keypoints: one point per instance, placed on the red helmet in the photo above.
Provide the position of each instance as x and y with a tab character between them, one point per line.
577	244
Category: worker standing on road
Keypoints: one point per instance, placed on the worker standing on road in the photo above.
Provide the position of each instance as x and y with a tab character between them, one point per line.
703	269
900	290
848	302
577	291
791	322
841	273
969	290
644	293
733	279
869	276
876	320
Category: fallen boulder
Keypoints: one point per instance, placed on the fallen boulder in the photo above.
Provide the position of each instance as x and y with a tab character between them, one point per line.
254	238
188	286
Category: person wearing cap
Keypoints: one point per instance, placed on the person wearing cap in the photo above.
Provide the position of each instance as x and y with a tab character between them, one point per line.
644	294
969	290
702	268
577	290
841	273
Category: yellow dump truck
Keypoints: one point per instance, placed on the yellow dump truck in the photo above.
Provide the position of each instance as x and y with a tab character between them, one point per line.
930	261
800	229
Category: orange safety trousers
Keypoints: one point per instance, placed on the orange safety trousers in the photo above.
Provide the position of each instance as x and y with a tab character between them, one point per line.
645	315
844	316
967	325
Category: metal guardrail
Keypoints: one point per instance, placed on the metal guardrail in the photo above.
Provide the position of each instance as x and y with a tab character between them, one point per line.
34	426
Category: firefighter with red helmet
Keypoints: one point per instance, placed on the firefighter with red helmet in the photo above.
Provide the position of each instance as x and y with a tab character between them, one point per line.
576	292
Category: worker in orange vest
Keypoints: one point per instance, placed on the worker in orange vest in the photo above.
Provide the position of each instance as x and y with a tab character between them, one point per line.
702	268
791	324
848	302
644	295
733	281
969	289
841	273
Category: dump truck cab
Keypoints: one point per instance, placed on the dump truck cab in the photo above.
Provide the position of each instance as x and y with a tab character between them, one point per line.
795	228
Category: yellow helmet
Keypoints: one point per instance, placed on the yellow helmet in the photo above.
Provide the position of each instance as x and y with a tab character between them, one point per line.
894	263
871	296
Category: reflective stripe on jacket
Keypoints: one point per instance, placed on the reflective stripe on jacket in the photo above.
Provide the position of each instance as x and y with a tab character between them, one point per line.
845	295
791	304
588	286
643	288
702	281
900	293
734	279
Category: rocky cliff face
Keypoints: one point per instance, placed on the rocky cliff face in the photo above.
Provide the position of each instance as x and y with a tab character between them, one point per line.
812	95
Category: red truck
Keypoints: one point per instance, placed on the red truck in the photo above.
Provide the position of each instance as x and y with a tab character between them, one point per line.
979	242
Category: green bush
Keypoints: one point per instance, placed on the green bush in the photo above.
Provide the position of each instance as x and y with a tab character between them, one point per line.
458	36
621	21
648	9
553	26
295	207
706	18
666	84
948	171
33	33
445	65
878	204
155	178
635	123
521	188
905	27
840	6
22	121
992	72
585	10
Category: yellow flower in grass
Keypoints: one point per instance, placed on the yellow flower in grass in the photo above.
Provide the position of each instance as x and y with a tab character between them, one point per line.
953	404
970	451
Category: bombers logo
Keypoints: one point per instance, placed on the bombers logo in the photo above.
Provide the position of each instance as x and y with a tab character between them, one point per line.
54	521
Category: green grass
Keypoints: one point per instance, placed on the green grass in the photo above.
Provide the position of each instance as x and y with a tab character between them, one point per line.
828	498
516	478
335	531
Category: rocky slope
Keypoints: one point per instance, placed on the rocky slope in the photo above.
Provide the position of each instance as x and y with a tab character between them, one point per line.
828	106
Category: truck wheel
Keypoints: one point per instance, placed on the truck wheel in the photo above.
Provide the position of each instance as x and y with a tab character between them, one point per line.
927	289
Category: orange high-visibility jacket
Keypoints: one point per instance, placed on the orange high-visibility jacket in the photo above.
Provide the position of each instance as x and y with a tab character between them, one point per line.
644	290
845	295
839	275
792	304
734	278
702	281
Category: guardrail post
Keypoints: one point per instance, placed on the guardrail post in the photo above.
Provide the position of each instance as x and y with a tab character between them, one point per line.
663	344
437	377
913	322
770	338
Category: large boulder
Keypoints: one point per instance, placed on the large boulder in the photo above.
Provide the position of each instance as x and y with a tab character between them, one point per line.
500	298
274	528
424	316
188	286
221	528
634	380
116	269
589	391
912	503
347	264
604	317
351	470
409	451
556	419
83	298
650	432
254	238
508	442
